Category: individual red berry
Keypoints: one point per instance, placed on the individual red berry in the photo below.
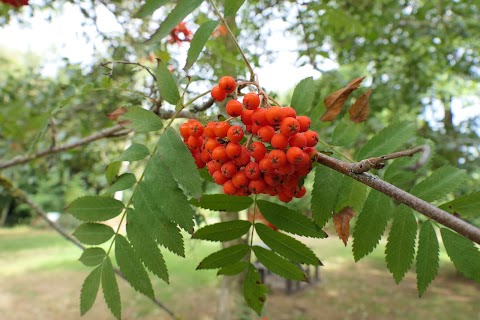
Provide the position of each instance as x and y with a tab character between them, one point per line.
277	157
257	186
218	93
234	108
266	133
273	179
251	101
243	192
312	138
247	117
219	178
212	166
252	171
233	150
284	198
289	126
255	128
305	160
295	155
209	130
301	193
229	188
195	129
227	84
210	145
244	157
286	169
298	140
185	130
304	122
259	116
279	141
198	160
289	112
266	166
221	129
248	128
205	155
240	180
228	169
258	150
274	115
219	154
235	133
195	142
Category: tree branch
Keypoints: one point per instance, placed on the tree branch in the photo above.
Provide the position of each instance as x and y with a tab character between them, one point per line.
461	227
378	162
96	136
23	197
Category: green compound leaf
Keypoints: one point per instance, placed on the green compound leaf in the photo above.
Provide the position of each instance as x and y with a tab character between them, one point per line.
440	183
92	257
223	202
224	257
135	152
387	140
181	10
286	246
166	84
111	294
370	225
145	246
140	120
463	253
427	257
156	224
233	269
353	194
93	208
468	206
172	150
303	95
131	267
400	248
93	233
231	7
326	188
124	182
149	8
254	291
223	231
279	265
89	290
289	220
198	42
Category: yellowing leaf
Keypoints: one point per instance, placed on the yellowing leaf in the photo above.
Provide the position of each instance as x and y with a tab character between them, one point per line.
359	110
341	220
336	100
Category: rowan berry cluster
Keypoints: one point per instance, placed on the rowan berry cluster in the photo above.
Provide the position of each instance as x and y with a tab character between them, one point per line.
269	152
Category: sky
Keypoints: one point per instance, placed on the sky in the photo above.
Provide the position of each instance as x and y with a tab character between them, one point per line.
61	37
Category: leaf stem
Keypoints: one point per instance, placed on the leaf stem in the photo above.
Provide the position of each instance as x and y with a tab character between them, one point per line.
219	15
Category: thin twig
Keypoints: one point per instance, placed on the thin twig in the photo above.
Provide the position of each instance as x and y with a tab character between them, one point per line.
379	162
105	65
96	136
461	227
23	197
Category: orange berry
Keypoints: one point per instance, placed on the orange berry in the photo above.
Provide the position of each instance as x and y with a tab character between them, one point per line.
209	130
219	154
218	93
229	188
227	84
228	169
219	178
235	133
266	166
244	157
295	155
274	115
312	138
247	117
221	129
251	101
289	112
185	130
252	171
298	140
284	198
266	133
304	122
258	150
257	186
289	126
279	141
234	108
277	157
233	149
259	116
240	180
195	129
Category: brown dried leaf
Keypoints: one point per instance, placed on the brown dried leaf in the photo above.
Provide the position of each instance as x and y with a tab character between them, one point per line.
336	100
116	113
360	109
341	221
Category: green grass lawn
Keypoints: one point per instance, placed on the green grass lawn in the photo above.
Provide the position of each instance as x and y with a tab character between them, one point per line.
39	269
